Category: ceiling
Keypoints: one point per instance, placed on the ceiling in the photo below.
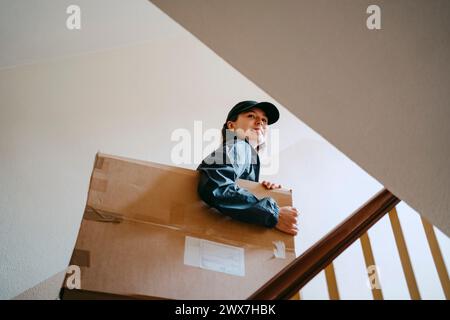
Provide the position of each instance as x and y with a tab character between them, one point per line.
34	31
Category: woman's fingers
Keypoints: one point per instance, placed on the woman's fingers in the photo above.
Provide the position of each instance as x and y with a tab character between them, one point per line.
270	185
289	220
288	229
293	231
293	211
287	223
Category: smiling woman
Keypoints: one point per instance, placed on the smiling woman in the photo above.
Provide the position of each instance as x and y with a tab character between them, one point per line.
252	125
244	134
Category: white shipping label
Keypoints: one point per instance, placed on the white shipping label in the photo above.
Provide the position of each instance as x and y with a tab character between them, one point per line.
214	256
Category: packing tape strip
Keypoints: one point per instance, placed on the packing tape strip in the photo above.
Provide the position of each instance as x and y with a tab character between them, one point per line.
101	216
101	164
154	224
177	216
104	216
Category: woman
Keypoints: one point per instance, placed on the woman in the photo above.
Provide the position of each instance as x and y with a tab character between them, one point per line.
244	135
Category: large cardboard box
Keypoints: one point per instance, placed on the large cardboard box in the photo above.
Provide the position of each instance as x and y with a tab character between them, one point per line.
146	233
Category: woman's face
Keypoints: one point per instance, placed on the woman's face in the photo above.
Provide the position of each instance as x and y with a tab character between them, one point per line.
251	124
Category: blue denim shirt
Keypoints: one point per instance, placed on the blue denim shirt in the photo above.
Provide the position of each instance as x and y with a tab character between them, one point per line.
235	159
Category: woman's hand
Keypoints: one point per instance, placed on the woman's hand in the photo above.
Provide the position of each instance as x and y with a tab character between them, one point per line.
287	220
270	185
287	217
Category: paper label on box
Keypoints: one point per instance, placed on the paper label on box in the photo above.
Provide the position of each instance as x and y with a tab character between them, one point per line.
214	256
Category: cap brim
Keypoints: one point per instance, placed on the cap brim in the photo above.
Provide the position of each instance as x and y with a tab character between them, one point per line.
269	109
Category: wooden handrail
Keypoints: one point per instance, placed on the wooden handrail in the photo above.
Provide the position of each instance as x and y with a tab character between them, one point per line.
300	271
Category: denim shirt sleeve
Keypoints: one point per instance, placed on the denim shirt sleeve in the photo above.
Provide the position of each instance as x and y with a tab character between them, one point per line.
217	187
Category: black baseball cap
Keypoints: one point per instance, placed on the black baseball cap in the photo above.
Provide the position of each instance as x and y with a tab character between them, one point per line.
270	110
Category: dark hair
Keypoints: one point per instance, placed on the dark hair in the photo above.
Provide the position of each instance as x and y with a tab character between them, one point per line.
225	127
